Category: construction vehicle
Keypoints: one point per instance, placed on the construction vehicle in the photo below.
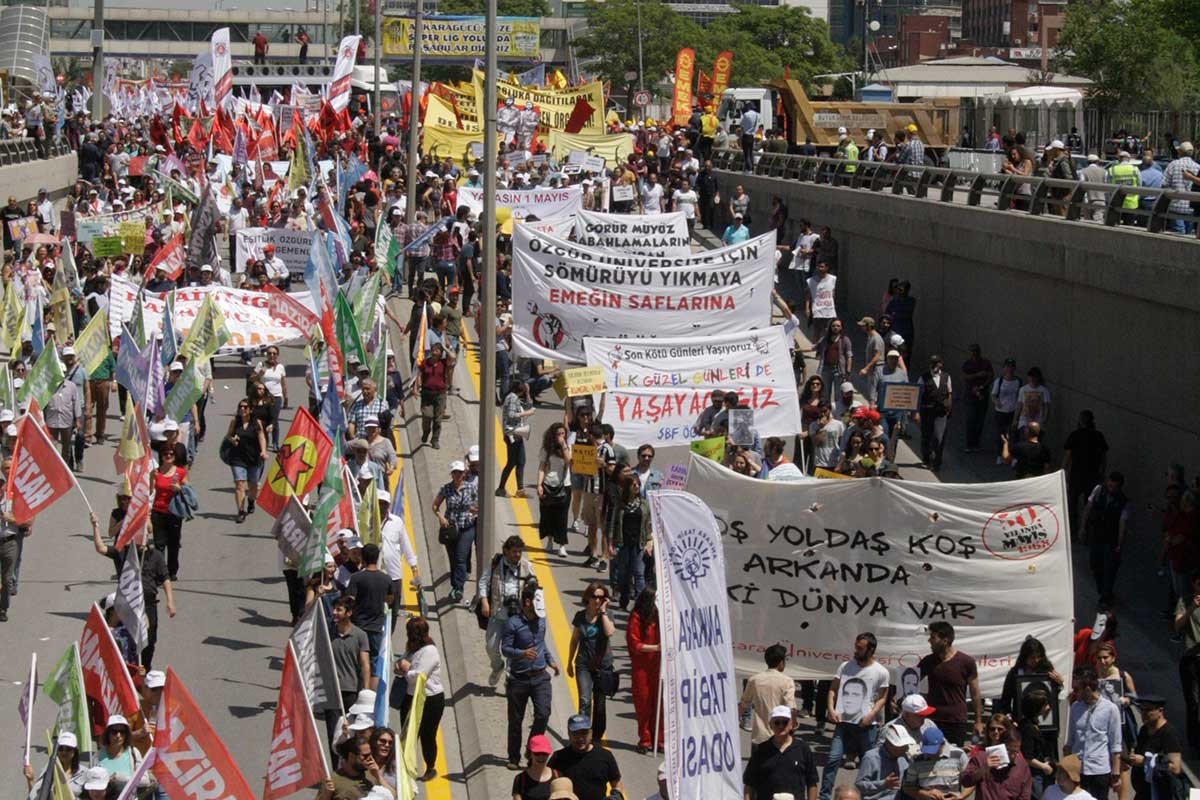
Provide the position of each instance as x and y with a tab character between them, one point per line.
783	105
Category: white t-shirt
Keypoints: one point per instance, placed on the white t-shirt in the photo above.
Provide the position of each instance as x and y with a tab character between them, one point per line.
1005	391
827	451
686	202
652	199
272	378
858	687
804	251
821	293
1054	793
1032	403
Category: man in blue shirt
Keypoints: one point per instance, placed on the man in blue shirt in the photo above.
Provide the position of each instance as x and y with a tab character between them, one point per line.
749	125
1150	175
523	644
1094	734
737	232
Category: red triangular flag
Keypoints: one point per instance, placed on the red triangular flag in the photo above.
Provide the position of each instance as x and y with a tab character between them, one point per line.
170	257
137	516
192	762
294	740
105	677
38	476
580	115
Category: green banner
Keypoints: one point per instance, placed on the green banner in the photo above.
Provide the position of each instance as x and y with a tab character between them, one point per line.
64	687
185	393
107	246
364	303
43	378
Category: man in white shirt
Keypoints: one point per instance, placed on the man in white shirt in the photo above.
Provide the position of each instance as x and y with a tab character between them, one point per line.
819	302
46	212
749	126
277	271
652	195
856	698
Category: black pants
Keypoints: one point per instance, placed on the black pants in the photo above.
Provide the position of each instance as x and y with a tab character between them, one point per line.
431	719
168	533
151	635
957	732
748	152
1104	560
976	416
260	58
1098	786
514	447
932	445
201	424
295	590
520	689
1075	489
708	212
1189	677
1004	422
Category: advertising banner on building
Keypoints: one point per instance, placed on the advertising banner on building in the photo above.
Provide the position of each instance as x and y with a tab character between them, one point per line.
457	37
813	563
664	234
563	292
657	388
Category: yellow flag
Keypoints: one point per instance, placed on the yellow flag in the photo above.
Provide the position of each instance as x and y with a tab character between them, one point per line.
208	332
559	81
14	317
130	446
409	749
91	348
369	523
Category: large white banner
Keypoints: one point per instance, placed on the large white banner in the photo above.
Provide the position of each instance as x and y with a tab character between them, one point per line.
812	564
701	736
661	234
540	203
563	292
292	247
343	70
222	67
555	226
657	388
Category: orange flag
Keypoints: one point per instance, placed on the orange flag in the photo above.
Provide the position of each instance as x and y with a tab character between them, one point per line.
137	516
170	257
704	83
105	677
298	466
192	762
38	476
681	102
294	739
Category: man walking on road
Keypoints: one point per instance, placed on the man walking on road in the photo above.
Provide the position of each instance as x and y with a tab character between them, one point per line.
952	674
524	645
499	591
371	591
351	652
1094	734
856	696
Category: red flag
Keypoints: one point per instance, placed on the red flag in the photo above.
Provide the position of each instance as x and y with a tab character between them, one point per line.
282	305
580	115
158	133
703	83
106	679
137	516
298	466
170	257
38	476
294	739
196	137
192	762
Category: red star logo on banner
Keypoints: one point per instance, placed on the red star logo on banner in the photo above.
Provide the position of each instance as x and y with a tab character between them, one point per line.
294	463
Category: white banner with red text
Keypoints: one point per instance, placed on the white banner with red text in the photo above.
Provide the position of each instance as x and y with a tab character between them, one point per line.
657	388
812	564
563	292
522	203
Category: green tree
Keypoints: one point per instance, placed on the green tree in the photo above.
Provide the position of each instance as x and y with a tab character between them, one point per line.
610	43
764	40
1132	50
504	8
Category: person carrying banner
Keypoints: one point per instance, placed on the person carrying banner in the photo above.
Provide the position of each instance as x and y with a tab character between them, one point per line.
67	752
10	536
64	417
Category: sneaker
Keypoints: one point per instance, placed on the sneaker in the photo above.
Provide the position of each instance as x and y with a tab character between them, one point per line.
591	561
249	506
494	676
3	616
562	551
434	445
520	493
511	765
241	517
601	565
574	527
501	493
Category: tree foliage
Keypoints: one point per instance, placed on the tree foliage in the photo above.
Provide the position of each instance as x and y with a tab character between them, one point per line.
1138	53
504	8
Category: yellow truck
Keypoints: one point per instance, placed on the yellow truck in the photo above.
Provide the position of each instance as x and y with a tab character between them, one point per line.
783	105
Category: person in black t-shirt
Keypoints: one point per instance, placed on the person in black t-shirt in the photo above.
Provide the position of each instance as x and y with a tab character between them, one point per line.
1031	457
1158	738
781	764
1085	455
371	591
592	769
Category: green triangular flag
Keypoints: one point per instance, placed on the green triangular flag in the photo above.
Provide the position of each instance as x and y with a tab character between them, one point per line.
346	329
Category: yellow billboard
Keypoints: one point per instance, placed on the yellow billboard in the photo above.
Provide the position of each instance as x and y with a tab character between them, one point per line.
456	37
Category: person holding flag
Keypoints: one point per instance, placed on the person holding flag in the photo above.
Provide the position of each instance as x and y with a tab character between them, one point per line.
421	657
67	753
10	535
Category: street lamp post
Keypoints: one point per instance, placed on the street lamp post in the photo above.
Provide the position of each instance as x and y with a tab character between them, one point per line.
485	541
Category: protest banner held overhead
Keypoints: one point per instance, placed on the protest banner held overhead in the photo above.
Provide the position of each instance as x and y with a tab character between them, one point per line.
657	388
563	292
663	234
809	561
522	203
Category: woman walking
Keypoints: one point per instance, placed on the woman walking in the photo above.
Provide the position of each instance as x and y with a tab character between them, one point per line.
554	487
645	652
457	531
273	375
168	528
262	406
247	452
517	408
589	656
421	657
631	532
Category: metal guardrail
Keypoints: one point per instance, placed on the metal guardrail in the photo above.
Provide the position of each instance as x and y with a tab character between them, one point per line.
21	151
1070	200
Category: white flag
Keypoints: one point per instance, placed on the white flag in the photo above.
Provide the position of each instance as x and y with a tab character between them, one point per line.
131	603
25	707
222	65
339	86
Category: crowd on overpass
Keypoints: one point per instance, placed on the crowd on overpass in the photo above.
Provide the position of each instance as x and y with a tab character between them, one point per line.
932	745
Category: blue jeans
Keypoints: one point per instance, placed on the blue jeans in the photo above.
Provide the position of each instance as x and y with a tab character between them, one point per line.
1180	225
278	422
447	273
520	689
503	372
591	700
459	556
631	572
857	737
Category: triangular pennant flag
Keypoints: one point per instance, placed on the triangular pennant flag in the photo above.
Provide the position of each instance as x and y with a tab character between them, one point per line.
298	465
105	674
318	671
64	686
92	346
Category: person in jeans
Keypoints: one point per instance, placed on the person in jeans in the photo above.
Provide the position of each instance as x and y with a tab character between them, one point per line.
589	654
499	592
517	408
461	498
524	646
856	696
1094	734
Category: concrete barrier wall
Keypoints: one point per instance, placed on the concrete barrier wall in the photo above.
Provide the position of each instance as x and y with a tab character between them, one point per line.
56	175
1112	317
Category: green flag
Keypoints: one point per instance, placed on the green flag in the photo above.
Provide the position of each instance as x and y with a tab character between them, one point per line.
346	329
367	516
312	560
298	170
364	302
64	686
92	347
185	393
43	378
8	398
207	334
379	359
387	247
138	329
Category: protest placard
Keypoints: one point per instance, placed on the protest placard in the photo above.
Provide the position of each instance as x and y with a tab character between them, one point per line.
583	459
584	380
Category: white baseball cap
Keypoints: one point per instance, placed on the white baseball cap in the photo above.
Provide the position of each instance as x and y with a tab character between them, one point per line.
781	712
473	453
155	679
97	779
67	739
364	703
915	704
457	466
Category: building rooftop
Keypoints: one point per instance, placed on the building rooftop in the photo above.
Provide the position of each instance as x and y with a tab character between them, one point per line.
969	76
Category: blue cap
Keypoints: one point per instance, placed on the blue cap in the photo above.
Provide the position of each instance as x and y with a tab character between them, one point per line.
578	722
932	740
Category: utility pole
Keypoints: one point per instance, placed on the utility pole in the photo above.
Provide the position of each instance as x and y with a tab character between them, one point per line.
378	62
414	118
357	6
485	541
98	62
641	71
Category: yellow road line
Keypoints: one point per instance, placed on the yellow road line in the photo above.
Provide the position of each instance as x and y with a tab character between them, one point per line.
556	615
439	787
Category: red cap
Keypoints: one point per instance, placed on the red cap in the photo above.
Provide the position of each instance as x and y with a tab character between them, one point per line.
540	744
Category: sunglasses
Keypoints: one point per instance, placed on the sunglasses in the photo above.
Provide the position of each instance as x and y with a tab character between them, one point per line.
599	597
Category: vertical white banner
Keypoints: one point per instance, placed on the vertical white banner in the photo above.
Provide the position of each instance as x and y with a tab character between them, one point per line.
222	67
700	698
25	707
339	86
